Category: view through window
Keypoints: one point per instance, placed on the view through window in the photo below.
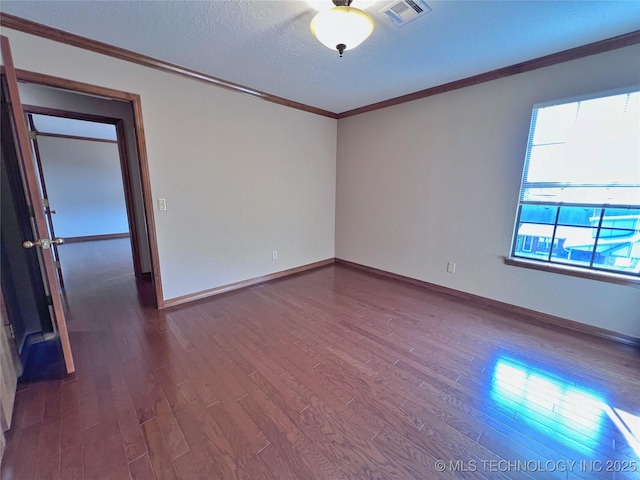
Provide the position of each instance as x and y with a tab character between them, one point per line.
580	193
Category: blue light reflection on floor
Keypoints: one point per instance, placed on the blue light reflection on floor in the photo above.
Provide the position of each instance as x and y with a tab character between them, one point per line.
569	414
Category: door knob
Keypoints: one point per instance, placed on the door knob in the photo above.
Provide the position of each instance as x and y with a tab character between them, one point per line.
30	244
44	243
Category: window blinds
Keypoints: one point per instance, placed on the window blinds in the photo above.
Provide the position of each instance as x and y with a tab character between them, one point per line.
585	152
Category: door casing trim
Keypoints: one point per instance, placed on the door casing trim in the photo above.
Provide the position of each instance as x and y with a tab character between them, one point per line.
134	99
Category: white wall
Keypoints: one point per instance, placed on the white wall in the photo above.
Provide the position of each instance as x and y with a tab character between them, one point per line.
84	186
241	176
437	180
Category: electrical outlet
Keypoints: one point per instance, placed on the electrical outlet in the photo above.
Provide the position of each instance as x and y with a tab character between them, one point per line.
274	255
451	267
162	204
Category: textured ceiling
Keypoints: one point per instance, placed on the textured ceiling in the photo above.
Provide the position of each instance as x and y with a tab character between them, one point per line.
266	45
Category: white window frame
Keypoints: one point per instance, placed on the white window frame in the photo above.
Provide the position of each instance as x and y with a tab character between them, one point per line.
590	271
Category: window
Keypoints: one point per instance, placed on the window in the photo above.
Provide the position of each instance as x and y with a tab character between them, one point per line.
580	194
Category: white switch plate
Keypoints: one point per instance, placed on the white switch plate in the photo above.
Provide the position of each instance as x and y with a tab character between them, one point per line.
274	255
162	204
451	267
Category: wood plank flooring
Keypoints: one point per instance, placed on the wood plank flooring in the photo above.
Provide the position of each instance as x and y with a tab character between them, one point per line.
333	374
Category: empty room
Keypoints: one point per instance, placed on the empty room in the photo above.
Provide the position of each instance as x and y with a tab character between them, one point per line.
320	240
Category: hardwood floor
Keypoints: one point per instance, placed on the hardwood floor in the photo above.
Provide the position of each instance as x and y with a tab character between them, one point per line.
331	374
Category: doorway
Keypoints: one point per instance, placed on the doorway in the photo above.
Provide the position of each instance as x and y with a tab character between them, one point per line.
85	179
50	97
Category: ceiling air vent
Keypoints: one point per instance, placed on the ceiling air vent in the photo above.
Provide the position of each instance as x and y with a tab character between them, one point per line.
401	12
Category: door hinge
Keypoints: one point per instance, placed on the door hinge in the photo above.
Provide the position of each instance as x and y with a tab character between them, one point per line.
45	202
12	333
32	135
57	265
49	300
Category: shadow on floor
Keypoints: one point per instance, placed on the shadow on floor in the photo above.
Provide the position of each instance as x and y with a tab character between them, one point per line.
44	361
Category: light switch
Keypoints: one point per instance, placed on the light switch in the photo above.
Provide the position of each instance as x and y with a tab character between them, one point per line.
162	204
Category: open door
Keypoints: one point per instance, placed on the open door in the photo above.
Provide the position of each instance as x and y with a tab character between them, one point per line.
45	196
40	238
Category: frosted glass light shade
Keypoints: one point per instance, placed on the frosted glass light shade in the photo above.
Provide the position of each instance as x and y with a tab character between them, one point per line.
342	25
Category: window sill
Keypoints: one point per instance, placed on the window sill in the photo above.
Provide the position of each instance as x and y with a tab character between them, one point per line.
574	271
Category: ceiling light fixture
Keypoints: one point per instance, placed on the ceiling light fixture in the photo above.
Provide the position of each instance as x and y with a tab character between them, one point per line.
343	27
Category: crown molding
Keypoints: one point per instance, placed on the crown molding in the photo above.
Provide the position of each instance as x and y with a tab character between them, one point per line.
44	31
601	46
50	33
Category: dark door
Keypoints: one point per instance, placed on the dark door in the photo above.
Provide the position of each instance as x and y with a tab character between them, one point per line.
22	284
38	239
